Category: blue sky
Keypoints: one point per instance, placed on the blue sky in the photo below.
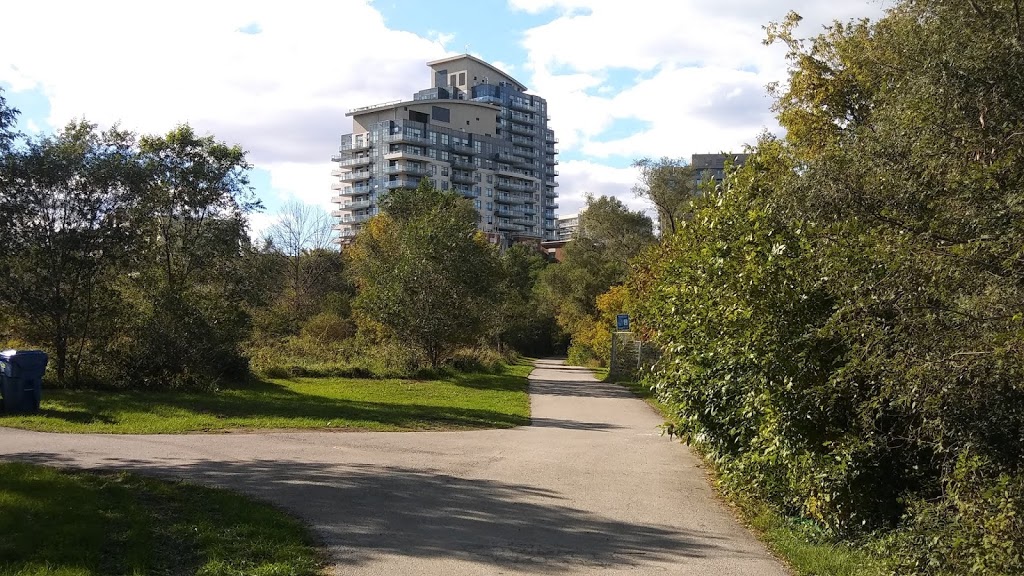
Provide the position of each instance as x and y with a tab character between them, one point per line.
623	80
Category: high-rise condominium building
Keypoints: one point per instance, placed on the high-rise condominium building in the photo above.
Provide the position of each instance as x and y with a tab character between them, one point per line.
475	131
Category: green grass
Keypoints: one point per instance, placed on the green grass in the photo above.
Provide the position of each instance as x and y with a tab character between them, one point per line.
54	522
804	551
459	401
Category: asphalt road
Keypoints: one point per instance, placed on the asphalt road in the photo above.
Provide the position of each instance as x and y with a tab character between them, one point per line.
589	488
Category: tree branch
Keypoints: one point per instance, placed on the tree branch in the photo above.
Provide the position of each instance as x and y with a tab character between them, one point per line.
1016	21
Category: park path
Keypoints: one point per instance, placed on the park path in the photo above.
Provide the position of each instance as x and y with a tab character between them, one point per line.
590	488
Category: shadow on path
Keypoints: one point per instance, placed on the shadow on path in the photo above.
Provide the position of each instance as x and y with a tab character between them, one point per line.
363	512
578	389
573	424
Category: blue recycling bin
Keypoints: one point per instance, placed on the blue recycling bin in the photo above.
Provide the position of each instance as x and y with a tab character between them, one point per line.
21	380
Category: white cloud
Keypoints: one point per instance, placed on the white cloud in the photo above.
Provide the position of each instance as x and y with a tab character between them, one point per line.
308	182
699	70
281	92
578	178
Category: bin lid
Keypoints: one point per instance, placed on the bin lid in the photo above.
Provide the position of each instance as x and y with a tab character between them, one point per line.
25	358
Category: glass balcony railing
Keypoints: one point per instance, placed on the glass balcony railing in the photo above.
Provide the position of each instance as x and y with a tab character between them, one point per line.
407	168
355	176
357	161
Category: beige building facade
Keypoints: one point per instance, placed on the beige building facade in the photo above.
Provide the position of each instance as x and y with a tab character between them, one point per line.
475	131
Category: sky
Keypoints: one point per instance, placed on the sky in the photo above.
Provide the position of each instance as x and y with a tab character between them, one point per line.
623	80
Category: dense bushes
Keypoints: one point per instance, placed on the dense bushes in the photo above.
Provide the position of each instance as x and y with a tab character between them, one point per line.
841	321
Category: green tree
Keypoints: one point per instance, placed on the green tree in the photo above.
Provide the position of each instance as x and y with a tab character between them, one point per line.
298	232
842	320
189	296
610	236
8	118
67	233
423	272
521	322
670	185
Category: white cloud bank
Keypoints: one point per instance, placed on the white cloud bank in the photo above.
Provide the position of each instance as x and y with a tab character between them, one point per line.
282	91
698	73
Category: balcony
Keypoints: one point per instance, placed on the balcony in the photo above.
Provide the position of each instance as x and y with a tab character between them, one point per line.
406	154
463	148
408	139
350	143
357	161
361	205
525	152
549	149
466	191
508	170
550	182
508	199
407	168
505	212
356	218
463	163
402	183
350	191
529	210
510	226
550	137
519	117
506	157
522	105
551	205
463	177
524	140
355	176
523	130
551	160
503	184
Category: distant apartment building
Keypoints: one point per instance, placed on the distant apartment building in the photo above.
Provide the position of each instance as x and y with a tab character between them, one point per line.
476	131
567	226
713	165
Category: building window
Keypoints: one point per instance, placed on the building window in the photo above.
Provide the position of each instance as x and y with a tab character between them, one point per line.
462	78
433	169
444	170
490	179
490	205
476	204
490	192
440	114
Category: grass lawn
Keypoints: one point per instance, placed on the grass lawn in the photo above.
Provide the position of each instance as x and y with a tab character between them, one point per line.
462	401
77	524
806	554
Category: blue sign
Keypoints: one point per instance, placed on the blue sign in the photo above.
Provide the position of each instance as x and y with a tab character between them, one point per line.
622	322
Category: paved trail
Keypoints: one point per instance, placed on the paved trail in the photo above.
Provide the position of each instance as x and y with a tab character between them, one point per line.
590	488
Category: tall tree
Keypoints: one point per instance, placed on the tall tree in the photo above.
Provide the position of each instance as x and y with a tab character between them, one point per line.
189	297
424	273
8	117
298	233
671	185
610	236
67	230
